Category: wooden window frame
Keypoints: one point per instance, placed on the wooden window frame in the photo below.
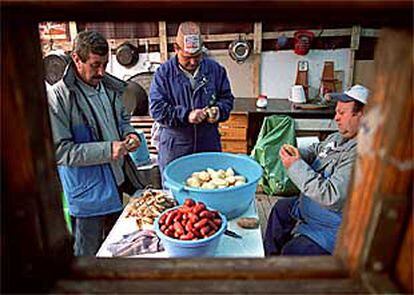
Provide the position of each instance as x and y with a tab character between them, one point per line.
36	246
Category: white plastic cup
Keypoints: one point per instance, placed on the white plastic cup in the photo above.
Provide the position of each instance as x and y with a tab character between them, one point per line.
297	94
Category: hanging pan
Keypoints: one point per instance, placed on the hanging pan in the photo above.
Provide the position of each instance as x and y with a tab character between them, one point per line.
239	50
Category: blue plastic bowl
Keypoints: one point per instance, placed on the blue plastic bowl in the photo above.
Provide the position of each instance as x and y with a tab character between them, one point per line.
198	248
231	201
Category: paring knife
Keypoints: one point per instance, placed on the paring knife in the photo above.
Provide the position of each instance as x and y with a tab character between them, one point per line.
232	234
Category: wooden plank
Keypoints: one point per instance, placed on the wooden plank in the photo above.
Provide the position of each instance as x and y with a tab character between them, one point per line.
162	32
249	36
315	125
385	226
318	286
115	43
257	41
219	37
275	268
238	120
355	36
385	161
325	33
233	146
73	30
257	57
378	283
233	133
370	32
404	267
36	245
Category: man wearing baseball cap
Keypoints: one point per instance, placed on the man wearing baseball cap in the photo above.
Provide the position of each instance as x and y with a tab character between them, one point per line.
189	95
308	224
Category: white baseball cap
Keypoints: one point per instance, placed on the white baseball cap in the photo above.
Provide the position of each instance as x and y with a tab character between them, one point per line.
189	38
356	92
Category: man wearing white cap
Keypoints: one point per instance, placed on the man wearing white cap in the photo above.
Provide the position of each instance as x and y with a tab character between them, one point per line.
308	224
189	95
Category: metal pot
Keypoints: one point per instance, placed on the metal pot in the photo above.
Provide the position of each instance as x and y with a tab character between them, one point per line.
239	50
127	55
54	64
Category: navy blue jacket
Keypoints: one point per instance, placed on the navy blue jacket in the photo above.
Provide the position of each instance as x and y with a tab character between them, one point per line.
171	101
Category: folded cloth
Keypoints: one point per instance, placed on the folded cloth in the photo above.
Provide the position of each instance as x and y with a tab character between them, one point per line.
136	243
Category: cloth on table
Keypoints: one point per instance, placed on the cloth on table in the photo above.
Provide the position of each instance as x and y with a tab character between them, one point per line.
136	243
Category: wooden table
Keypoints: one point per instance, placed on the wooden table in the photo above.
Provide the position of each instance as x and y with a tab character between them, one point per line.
251	244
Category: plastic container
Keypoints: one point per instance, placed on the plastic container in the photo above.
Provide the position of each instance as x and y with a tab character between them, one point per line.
231	201
197	248
141	156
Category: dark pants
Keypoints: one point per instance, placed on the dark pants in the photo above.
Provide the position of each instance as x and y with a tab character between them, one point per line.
279	239
90	232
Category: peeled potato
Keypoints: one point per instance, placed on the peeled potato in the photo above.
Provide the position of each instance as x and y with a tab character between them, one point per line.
212	179
210	171
204	176
208	185
231	180
214	175
240	178
221	173
229	172
193	182
239	182
248	222
219	182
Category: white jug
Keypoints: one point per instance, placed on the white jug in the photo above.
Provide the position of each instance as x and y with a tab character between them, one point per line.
297	94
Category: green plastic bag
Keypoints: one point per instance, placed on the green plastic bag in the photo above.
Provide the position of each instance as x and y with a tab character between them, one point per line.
275	132
66	213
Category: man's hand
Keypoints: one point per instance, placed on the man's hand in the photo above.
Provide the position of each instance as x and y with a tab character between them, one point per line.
288	154
132	142
197	116
119	149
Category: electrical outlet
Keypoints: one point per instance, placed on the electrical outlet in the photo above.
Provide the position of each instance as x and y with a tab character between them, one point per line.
303	65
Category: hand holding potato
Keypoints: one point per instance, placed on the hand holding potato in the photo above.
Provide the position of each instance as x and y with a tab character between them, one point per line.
197	116
288	154
132	142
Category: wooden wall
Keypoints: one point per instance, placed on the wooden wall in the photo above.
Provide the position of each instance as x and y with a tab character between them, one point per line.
381	197
268	70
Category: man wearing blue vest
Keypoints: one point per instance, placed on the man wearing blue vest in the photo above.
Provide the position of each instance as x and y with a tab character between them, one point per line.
92	135
308	224
190	94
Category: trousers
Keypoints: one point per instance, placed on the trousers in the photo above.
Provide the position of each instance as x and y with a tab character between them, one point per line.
279	239
90	232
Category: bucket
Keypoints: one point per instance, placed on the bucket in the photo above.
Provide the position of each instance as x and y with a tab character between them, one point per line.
231	201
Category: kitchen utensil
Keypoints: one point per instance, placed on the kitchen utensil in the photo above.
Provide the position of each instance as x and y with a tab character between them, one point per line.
232	234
